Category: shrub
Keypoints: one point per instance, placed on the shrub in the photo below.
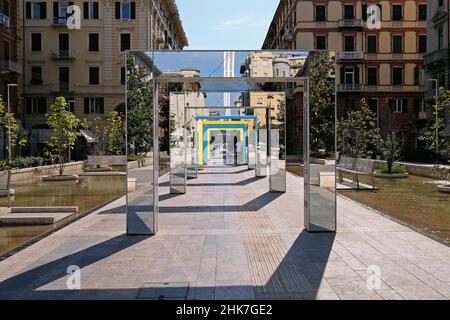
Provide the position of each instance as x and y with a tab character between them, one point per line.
395	170
27	162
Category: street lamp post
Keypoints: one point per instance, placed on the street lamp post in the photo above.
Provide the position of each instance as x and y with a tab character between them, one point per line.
9	124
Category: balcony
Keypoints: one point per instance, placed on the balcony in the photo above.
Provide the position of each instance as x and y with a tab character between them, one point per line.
63	88
7	66
59	22
351	23
4	20
350	87
160	37
436	57
288	36
62	55
351	55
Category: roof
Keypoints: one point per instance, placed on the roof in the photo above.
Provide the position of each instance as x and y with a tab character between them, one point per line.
173	10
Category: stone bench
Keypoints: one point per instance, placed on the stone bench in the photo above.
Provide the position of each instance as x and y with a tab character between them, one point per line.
327	179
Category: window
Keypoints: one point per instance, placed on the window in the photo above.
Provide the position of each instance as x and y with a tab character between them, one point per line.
93	42
125	10
36	42
36	105
372	44
94	75
441	3
372	76
64	78
422	43
90	10
397	12
94	106
321	43
364	11
440	38
372	103
125	42
36	10
259	102
349	43
397	76
422	8
36	75
60	11
398	105
397	44
350	75
6	52
122	75
349	12
5	8
418	76
320	12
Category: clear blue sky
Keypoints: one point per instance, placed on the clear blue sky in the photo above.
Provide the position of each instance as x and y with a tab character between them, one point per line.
226	24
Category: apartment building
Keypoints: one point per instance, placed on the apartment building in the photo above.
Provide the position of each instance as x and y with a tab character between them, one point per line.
437	59
384	65
87	65
9	68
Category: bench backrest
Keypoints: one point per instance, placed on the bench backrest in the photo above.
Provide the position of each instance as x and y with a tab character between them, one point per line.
364	165
346	163
5	180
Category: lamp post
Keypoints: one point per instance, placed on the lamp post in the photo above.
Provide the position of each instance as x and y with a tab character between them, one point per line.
9	124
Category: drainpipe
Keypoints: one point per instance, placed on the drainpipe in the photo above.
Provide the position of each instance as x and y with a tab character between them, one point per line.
448	44
24	41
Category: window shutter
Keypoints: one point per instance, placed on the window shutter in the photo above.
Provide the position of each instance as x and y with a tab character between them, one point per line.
117	10
28	10
96	14
392	105
42	105
364	12
86	10
101	103
86	105
342	75
133	10
28	105
55	9
405	105
43	10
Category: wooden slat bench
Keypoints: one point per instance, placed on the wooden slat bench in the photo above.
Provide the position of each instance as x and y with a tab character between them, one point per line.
357	167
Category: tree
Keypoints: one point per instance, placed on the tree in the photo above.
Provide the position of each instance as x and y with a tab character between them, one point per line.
391	151
115	134
140	108
435	138
63	132
358	135
322	102
17	135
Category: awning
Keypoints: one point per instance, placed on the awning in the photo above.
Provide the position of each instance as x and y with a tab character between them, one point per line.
88	135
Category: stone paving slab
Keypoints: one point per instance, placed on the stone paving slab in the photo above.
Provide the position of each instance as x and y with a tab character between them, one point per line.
228	238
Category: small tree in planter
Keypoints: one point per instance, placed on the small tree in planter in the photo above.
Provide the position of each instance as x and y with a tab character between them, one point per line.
17	135
63	133
115	134
391	151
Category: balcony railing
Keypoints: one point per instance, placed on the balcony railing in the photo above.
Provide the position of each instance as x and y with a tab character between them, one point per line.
351	23
63	87
436	56
10	66
62	55
288	36
350	87
4	20
351	55
59	21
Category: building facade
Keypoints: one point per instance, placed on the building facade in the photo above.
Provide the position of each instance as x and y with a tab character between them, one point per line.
9	68
437	59
383	65
86	65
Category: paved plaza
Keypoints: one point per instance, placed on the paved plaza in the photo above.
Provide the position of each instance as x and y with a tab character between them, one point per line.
229	238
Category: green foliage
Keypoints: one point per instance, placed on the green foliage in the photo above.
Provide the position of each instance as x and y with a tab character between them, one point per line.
140	108
63	132
435	138
394	170
115	133
391	151
322	102
28	162
18	136
358	135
